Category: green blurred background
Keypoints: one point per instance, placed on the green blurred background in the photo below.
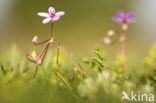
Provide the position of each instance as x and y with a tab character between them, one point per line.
81	29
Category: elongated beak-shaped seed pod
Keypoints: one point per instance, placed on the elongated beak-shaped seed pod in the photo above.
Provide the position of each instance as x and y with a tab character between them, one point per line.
33	54
30	58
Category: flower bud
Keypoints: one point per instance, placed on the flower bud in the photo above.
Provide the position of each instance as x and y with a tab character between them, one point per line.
34	40
124	27
106	40
110	33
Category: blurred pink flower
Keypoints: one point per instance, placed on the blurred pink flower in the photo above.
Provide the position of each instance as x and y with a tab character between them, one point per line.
51	16
123	18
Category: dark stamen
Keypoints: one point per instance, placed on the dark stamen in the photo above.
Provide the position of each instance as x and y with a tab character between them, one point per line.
52	15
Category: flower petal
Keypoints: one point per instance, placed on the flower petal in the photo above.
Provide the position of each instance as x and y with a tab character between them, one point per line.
43	14
56	18
120	14
117	19
60	13
129	15
46	20
131	20
51	10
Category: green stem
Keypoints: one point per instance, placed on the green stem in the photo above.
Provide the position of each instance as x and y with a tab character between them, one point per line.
63	80
57	58
36	70
3	70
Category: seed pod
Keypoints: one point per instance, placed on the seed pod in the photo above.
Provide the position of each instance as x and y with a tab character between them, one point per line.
30	58
33	54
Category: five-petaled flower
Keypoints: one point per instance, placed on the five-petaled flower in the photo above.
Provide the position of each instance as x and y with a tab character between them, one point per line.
123	18
51	16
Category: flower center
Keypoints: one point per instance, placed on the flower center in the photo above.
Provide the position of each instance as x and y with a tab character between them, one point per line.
124	21
52	15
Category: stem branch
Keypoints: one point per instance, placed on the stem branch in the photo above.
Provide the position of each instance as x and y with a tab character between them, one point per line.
42	52
58	46
41	42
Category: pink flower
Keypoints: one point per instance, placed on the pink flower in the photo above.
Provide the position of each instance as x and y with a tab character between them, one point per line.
123	18
51	16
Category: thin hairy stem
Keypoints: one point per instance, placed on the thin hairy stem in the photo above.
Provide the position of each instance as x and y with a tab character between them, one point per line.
58	46
45	54
41	42
42	52
123	49
51	33
57	58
